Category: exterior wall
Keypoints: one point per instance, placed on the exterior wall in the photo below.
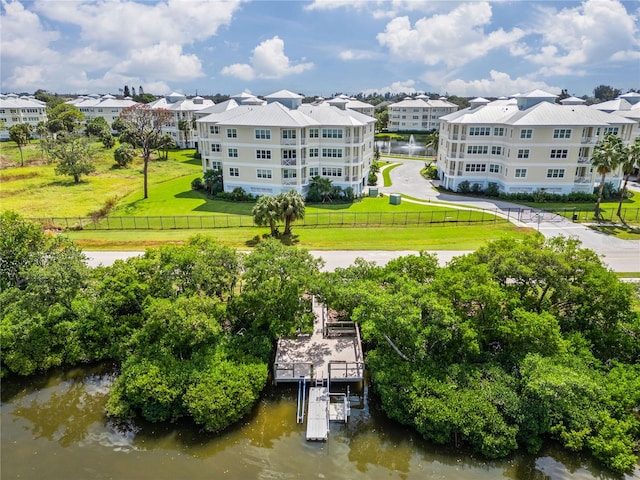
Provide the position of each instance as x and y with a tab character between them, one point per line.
14	110
416	117
312	155
516	164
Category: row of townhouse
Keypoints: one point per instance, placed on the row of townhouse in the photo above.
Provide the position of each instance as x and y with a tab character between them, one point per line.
420	113
526	143
280	144
15	109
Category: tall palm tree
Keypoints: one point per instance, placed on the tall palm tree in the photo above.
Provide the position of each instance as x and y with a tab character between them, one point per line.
266	211
184	126
42	131
607	155
630	161
291	208
433	140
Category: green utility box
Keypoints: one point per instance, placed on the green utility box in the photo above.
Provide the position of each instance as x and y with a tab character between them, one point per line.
373	192
395	199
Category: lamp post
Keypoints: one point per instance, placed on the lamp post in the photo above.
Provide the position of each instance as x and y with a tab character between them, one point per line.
538	219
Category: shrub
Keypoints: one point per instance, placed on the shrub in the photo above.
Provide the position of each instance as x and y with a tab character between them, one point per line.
372	179
492	190
464	187
236	195
476	189
197	184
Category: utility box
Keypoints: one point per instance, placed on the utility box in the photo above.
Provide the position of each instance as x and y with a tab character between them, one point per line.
373	192
395	199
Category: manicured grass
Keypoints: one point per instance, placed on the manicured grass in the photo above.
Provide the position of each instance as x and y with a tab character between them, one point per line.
320	238
386	174
619	231
628	274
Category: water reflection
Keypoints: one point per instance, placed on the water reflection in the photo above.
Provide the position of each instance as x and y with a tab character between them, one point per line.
53	426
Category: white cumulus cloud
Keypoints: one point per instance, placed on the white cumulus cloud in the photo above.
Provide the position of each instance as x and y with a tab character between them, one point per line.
407	86
452	38
267	62
498	84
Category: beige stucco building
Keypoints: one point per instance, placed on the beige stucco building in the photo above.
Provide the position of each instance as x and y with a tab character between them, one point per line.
15	109
419	114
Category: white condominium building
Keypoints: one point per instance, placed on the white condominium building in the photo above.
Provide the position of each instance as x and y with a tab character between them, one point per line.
105	106
419	113
182	108
526	143
270	148
15	110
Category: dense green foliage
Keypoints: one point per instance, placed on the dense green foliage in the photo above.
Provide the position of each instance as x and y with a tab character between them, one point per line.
179	319
503	348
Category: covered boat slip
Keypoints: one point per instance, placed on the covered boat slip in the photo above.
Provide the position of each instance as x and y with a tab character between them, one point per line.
332	353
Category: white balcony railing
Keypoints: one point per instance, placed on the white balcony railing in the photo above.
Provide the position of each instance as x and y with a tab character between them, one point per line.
583	180
287	141
584	160
288	162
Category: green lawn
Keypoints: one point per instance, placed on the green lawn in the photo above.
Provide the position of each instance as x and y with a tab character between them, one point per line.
468	237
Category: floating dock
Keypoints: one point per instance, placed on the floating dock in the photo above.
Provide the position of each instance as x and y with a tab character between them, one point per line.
318	414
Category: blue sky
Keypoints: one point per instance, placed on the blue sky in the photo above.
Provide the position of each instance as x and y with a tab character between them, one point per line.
321	47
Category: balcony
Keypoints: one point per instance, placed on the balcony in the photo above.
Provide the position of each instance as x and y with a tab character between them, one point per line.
288	162
584	160
589	140
289	181
288	141
583	180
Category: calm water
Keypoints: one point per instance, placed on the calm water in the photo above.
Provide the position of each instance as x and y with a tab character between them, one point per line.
53	427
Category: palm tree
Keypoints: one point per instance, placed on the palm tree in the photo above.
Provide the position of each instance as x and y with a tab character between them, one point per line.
266	211
42	131
184	126
630	161
607	155
433	140
291	206
323	186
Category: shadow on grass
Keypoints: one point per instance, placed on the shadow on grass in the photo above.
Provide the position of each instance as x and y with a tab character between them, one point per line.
619	231
288	240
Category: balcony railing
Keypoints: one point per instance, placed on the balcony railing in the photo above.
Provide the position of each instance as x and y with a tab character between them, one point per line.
583	180
584	160
290	181
289	162
288	141
588	140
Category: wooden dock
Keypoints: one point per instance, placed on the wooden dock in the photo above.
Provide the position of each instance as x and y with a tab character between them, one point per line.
318	414
332	353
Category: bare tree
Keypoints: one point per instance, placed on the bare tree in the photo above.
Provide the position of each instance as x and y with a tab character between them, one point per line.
143	126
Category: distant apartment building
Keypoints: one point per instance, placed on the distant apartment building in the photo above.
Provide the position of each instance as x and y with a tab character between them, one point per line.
526	143
268	148
105	106
182	108
627	106
15	109
419	114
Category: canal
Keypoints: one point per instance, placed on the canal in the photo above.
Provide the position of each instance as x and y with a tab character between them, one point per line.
53	427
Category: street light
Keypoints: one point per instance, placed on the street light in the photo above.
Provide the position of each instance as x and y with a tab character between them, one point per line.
538	219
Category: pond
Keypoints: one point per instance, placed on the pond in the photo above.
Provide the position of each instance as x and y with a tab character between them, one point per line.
53	427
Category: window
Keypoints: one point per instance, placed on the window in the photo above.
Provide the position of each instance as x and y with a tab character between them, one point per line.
559	153
313	153
498	132
479	131
262	134
289	154
332	152
232	133
494	168
289	173
314	133
521	173
214	129
263	173
609	130
313	171
233	153
562	133
234	172
526	133
289	134
331	172
555	173
216	165
263	154
215	147
477	149
331	133
523	153
475	167
496	150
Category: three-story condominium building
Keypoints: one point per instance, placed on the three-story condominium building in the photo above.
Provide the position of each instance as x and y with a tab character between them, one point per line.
270	148
105	106
182	108
15	109
526	143
420	113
